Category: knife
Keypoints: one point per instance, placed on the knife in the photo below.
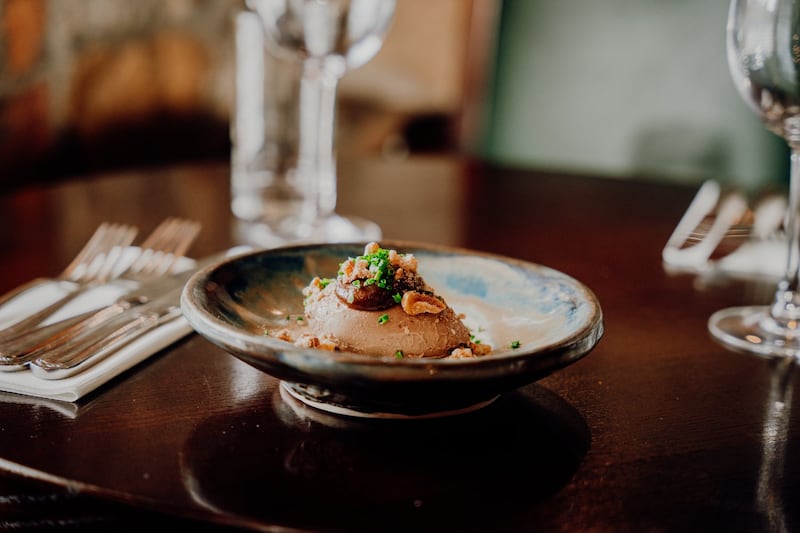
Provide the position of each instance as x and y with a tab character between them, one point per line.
93	345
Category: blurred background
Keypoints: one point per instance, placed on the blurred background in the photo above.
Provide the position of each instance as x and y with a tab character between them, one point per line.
620	88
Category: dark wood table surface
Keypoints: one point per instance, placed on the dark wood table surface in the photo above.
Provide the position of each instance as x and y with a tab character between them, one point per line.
658	428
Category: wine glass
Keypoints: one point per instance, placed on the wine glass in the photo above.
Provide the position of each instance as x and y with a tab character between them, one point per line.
328	37
763	41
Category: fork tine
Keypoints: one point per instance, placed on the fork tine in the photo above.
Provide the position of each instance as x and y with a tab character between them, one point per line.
116	250
185	232
166	228
99	260
183	239
88	252
79	269
107	253
169	241
152	244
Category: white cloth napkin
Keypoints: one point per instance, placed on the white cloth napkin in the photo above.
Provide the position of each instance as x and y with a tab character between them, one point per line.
764	258
72	388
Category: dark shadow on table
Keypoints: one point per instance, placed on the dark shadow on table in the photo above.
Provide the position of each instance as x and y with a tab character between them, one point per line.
306	469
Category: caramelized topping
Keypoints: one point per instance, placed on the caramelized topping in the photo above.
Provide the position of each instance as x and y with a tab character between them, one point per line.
378	279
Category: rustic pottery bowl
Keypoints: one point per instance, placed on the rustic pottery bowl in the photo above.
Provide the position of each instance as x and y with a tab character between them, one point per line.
537	320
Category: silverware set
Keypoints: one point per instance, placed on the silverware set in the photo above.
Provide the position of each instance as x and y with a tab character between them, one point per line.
719	228
53	347
93	263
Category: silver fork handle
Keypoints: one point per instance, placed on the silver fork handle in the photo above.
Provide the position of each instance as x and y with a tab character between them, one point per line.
88	350
31	344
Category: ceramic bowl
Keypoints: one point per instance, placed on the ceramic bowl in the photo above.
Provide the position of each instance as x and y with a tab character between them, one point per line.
536	319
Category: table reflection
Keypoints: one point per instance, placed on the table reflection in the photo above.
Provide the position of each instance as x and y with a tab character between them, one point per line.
769	493
469	471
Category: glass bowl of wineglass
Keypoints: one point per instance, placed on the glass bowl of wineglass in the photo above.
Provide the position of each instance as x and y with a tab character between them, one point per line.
763	43
328	37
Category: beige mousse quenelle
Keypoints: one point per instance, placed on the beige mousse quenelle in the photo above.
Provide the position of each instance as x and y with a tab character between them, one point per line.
380	305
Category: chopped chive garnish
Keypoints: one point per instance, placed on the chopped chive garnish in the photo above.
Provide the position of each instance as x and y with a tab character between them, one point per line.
356	283
381	270
397	298
398	354
515	345
383	319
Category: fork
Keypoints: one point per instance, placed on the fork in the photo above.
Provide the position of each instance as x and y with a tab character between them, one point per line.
731	209
106	331
94	261
158	254
702	237
167	244
715	226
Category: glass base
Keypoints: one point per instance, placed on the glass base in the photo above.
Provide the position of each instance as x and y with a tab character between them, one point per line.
750	329
365	410
334	228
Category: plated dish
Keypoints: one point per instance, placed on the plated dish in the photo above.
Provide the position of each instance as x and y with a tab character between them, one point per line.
536	319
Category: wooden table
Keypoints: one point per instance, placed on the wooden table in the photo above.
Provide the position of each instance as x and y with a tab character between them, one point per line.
658	428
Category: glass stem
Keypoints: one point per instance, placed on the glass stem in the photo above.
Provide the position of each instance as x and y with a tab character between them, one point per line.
786	308
317	163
